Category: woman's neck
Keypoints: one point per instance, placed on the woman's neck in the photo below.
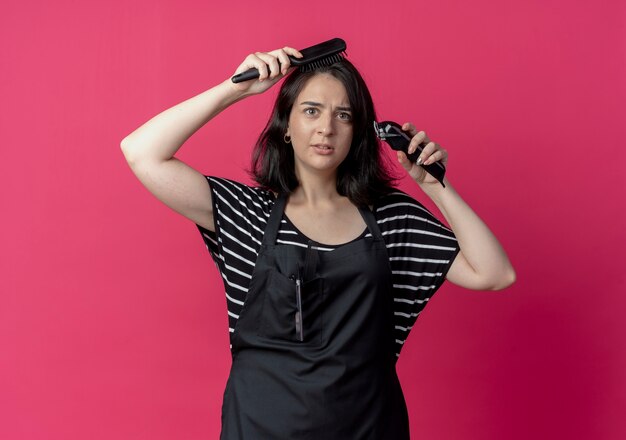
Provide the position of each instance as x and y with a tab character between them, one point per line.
315	189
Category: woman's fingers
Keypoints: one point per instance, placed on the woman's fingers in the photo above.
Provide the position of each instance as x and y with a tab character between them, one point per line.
253	61
439	155
416	137
431	153
270	64
277	61
291	51
429	149
283	57
272	69
284	61
407	126
248	63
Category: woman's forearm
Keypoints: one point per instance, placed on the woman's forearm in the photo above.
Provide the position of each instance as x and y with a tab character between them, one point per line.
162	136
478	244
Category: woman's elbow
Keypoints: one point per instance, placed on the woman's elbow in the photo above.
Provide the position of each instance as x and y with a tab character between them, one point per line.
507	279
127	150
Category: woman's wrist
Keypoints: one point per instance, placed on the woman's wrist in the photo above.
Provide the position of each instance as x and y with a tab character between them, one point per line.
437	192
231	93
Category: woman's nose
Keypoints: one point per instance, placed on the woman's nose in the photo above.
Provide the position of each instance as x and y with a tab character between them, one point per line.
325	126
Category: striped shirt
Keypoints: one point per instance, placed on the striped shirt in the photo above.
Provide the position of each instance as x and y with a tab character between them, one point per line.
420	248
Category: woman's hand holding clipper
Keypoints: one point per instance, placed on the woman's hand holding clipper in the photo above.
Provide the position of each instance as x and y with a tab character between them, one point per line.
431	153
272	66
482	263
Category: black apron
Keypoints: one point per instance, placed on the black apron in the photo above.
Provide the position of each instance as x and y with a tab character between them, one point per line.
313	348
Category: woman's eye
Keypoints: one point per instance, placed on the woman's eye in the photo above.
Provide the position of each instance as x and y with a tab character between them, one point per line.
345	116
312	110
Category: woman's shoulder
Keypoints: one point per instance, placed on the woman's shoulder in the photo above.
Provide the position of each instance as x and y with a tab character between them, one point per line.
239	188
243	197
399	205
396	198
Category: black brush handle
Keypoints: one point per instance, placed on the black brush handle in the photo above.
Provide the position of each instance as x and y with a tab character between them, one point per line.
253	72
401	141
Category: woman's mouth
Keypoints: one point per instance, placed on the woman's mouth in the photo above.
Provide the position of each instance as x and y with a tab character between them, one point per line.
323	148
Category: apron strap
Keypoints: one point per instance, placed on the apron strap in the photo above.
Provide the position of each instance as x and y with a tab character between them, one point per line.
273	224
311	261
370	221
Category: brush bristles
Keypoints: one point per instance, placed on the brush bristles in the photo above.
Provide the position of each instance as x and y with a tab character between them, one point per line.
326	61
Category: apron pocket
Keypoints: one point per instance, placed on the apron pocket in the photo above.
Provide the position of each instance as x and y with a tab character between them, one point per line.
292	314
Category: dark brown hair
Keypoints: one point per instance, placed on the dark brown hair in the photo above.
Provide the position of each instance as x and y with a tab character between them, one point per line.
363	176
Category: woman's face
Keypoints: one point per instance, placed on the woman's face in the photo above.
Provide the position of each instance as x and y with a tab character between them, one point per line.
320	125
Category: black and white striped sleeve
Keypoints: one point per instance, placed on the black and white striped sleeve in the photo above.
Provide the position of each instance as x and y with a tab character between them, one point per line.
240	214
421	250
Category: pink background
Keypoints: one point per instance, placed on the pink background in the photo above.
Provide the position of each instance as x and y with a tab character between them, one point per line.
113	319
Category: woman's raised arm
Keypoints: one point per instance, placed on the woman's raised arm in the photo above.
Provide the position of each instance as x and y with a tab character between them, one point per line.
482	263
150	149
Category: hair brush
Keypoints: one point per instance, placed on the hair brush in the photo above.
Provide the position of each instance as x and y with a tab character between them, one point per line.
391	132
323	54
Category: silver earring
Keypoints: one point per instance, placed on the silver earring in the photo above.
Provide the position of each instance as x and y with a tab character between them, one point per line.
287	138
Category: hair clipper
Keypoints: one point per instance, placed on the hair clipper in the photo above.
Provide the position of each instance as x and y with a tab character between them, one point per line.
398	140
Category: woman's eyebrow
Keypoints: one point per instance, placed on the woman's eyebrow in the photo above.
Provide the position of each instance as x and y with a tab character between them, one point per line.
317	104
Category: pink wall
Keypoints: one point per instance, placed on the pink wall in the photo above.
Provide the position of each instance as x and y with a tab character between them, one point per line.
112	314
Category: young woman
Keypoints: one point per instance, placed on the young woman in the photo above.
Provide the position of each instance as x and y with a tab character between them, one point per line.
326	265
